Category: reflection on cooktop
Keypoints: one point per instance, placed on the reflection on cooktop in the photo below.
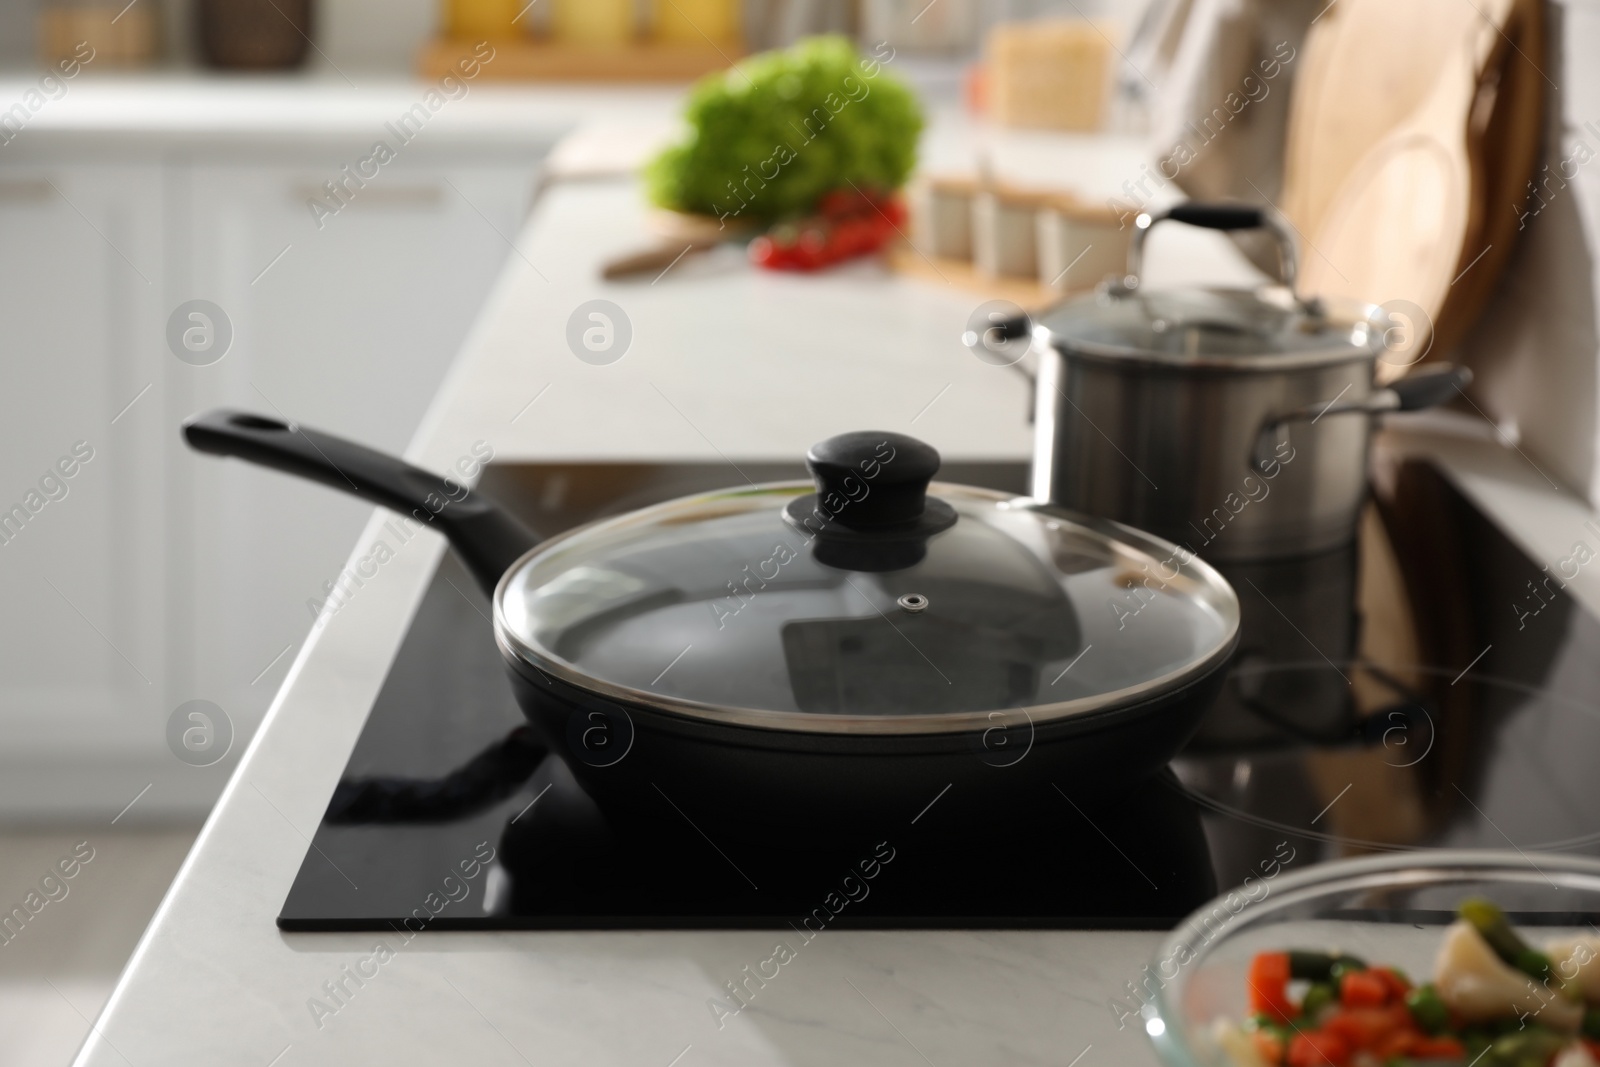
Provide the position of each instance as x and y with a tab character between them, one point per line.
1324	743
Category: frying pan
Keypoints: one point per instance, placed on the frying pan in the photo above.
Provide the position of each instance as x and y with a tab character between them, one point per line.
885	641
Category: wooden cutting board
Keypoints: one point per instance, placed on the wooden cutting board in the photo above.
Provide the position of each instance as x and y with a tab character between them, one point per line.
1413	130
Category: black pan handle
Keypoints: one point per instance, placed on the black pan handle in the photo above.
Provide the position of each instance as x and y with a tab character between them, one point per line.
486	537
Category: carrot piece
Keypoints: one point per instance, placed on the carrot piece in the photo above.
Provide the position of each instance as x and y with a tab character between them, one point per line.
1363	989
1269	986
1398	986
1318	1048
1438	1048
1368	1028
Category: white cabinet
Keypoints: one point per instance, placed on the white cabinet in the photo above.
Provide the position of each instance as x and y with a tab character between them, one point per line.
164	576
81	648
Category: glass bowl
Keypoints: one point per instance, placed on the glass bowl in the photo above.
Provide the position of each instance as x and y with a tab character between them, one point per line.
1388	910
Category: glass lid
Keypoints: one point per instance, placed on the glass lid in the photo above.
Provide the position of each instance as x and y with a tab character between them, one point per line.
872	602
1259	329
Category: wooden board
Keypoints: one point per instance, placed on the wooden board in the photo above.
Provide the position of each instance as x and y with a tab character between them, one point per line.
1412	130
535	60
1368	65
1503	141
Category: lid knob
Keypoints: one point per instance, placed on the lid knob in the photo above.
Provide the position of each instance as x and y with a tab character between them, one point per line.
871	510
871	479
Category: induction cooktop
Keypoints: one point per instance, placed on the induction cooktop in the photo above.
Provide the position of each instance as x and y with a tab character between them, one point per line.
1428	686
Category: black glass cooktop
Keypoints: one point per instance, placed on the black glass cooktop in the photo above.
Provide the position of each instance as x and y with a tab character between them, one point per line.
1426	687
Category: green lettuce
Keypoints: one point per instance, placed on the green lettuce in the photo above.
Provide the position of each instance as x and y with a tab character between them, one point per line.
769	137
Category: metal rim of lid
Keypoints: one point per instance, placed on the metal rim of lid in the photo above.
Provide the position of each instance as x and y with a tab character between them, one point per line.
1348	312
1217	592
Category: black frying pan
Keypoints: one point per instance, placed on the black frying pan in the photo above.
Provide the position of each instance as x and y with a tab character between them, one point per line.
738	777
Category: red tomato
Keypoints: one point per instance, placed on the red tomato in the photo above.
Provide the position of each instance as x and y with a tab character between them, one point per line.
764	252
1269	986
1318	1048
852	236
839	202
848	223
1363	989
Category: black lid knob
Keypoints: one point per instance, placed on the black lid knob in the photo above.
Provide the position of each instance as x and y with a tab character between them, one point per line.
870	479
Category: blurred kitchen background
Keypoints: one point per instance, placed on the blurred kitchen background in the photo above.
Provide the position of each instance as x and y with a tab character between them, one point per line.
159	152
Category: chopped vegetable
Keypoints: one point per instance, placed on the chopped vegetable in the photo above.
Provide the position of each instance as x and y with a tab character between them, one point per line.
1581	1055
1244	1049
1477	985
1318	996
1494	1001
1269	986
1533	1047
1363	989
1317	1048
1427	1009
1577	961
1270	1045
1493	926
1318	966
1368	1027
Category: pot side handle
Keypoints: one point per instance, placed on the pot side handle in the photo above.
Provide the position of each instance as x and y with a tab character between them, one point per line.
1425	388
486	537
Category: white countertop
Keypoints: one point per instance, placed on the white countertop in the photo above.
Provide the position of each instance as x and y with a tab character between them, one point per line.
725	363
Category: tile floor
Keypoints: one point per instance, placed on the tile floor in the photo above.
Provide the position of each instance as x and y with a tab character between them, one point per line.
57	970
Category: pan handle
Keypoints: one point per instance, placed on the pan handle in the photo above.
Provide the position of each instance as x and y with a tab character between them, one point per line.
1425	388
486	537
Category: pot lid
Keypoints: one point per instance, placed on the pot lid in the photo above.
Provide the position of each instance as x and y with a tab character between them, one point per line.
872	602
1253	329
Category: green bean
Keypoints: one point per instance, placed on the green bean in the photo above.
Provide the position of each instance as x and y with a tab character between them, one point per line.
1318	966
1532	1047
1428	1009
1319	996
1493	926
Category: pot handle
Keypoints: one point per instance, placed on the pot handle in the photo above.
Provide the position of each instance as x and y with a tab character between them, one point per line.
1214	216
1426	388
486	537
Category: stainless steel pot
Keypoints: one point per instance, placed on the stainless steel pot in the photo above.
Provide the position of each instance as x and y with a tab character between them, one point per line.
1234	421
